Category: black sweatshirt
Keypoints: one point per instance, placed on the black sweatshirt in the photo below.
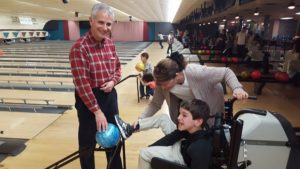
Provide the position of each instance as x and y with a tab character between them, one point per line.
196	148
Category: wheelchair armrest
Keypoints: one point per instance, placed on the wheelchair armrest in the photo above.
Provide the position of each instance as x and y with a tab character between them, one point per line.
159	163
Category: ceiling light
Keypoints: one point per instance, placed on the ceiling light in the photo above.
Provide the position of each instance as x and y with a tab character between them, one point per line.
291	5
216	22
297	13
224	20
256	13
27	3
173	7
237	16
55	9
248	20
286	18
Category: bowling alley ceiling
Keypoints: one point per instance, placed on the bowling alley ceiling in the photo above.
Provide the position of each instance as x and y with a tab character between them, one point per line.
146	10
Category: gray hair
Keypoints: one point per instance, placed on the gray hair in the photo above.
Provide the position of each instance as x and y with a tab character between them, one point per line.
102	7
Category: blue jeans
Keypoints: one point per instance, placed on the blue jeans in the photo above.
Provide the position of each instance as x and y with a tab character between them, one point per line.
88	128
149	91
241	51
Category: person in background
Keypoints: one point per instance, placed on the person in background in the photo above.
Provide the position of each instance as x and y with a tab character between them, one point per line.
220	43
148	81
189	145
186	39
291	64
170	42
254	47
240	42
160	39
229	44
177	35
96	69
147	70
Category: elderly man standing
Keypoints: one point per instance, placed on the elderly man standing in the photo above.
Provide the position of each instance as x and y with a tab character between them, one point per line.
96	70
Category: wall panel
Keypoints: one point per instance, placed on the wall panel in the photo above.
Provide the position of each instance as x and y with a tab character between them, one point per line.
74	30
128	31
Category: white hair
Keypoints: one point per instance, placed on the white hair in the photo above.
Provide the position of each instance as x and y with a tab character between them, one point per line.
102	7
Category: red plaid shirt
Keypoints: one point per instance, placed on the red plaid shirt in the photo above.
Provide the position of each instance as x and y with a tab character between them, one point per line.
92	64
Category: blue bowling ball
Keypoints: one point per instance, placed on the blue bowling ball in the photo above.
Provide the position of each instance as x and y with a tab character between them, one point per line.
108	138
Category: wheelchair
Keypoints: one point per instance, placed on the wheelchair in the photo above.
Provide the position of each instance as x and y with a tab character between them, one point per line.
257	139
219	150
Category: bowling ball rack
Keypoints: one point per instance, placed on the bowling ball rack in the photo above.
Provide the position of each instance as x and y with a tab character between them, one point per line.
260	83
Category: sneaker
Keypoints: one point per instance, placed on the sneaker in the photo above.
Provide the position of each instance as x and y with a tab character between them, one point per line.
125	128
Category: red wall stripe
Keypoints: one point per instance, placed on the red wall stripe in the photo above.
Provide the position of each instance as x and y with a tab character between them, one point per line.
145	32
66	30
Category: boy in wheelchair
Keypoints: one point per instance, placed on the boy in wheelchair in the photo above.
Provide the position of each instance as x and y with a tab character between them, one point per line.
190	145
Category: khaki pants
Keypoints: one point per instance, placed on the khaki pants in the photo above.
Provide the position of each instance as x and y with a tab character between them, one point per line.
171	153
162	121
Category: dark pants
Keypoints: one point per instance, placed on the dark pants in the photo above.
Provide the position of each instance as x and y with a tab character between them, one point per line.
160	43
169	49
241	50
149	91
87	128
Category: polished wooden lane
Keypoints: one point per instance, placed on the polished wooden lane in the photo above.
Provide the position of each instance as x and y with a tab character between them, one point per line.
24	125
